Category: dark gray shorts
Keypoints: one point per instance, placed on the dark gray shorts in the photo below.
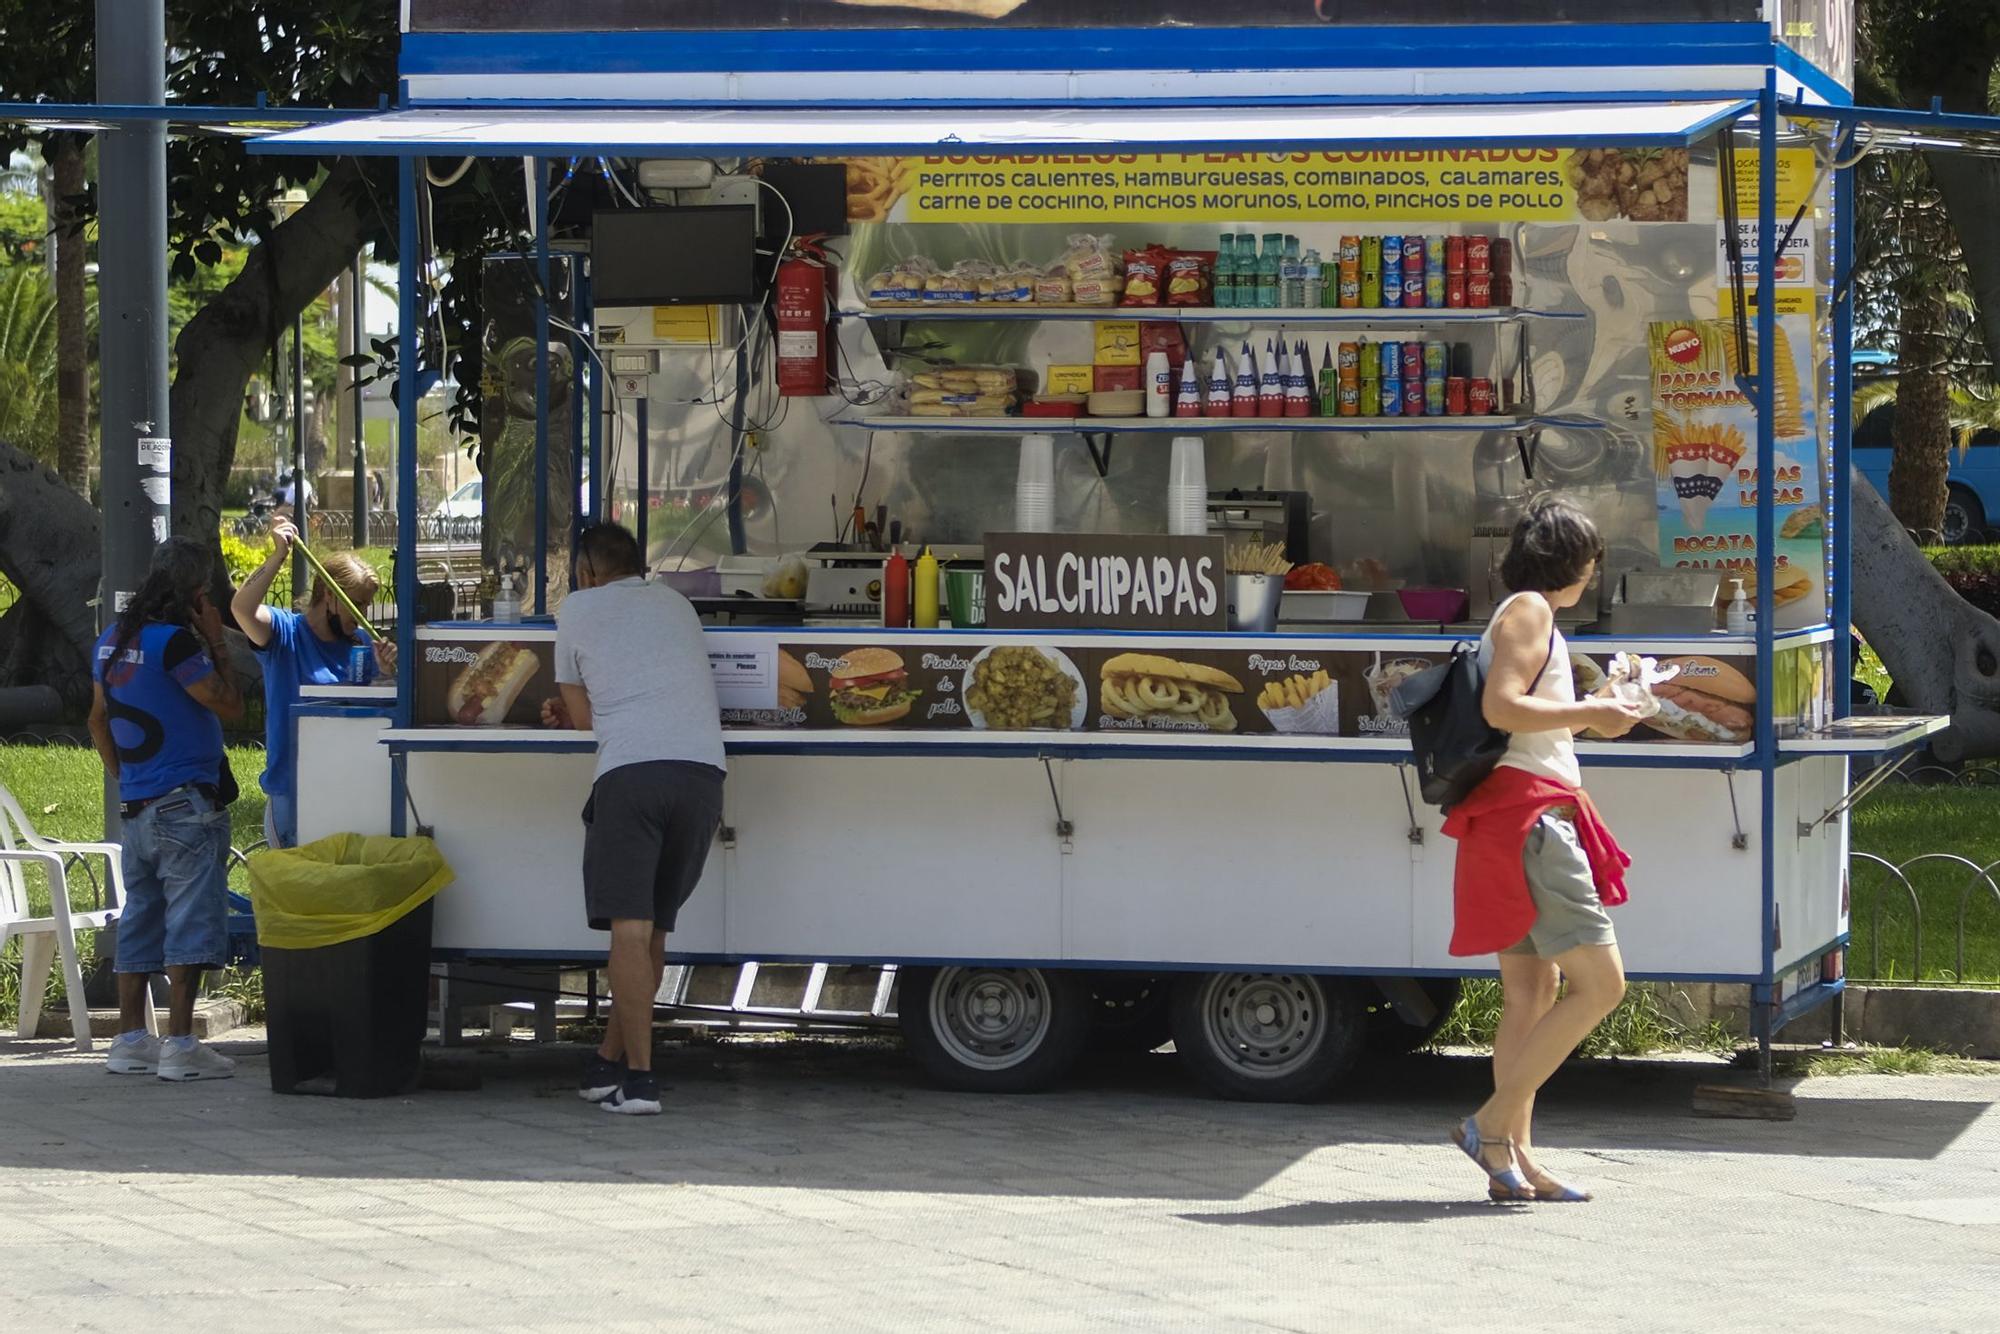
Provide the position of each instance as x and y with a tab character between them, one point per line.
1568	912
646	834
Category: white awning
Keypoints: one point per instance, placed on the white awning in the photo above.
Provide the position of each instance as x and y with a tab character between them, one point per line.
821	131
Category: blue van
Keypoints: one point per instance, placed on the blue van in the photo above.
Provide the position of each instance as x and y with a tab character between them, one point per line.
1972	500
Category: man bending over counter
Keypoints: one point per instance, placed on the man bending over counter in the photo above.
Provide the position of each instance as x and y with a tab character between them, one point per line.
632	666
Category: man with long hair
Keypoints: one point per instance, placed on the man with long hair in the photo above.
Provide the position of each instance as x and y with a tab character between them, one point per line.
162	692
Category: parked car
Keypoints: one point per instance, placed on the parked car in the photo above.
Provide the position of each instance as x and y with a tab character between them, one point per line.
1972	497
464	503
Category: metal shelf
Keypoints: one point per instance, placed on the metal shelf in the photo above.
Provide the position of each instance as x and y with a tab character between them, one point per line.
1210	425
1328	315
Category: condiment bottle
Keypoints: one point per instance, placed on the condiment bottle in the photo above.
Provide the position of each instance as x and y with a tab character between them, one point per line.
896	590
924	596
1739	617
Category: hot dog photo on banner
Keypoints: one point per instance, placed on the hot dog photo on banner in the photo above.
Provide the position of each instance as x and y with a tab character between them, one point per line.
484	683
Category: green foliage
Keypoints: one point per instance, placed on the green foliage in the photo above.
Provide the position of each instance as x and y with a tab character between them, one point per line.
1643	1023
241	557
28	361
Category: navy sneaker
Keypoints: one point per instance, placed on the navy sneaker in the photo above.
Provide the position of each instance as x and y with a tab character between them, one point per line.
601	1078
639	1095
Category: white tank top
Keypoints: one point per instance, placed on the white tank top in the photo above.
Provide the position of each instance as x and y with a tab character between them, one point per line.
1547	754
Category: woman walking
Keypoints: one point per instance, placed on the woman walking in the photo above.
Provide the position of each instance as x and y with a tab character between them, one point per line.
1536	865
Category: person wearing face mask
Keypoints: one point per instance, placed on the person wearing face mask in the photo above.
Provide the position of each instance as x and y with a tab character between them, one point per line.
299	648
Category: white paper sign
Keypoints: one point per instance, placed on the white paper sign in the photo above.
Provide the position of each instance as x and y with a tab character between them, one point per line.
155	452
746	676
159	488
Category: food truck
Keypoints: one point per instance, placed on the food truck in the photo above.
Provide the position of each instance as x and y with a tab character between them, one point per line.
1073	433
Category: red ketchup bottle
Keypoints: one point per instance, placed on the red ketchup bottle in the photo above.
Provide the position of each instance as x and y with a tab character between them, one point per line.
896	590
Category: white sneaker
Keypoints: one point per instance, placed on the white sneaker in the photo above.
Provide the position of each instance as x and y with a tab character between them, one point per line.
195	1062
133	1055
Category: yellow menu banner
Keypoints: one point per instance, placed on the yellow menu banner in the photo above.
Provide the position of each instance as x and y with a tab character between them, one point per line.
1796	172
1446	185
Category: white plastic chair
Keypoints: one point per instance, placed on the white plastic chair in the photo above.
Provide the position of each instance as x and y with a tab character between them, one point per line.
43	938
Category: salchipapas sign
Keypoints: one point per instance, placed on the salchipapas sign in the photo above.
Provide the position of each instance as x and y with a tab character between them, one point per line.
1082	581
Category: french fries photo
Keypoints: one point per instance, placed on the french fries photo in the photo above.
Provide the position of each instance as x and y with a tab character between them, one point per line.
1292	692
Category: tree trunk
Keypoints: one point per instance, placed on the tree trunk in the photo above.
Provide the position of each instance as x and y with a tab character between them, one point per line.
72	349
49	550
228	339
1971	189
1923	416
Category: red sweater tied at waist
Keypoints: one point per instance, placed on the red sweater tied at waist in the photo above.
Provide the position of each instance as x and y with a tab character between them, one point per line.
1492	908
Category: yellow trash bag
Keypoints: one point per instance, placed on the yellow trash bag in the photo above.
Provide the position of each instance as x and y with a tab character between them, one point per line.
341	888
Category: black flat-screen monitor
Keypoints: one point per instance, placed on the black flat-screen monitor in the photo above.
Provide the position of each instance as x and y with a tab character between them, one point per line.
674	256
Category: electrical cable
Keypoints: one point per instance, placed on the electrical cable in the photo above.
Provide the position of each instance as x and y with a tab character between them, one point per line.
451	180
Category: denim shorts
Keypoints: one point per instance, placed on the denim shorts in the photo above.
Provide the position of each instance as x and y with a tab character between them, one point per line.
176	883
1568	912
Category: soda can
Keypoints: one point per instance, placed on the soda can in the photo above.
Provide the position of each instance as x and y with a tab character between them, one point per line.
1350	292
1479	398
1392	255
1479	254
1371	398
1371	362
1392	287
1502	260
1413	291
1479	290
1436	358
1348	359
1329	283
1392	398
1371	289
1413	398
1371	255
1412	363
360	664
1434	288
1454	396
1454	290
1434	396
1350	250
1454	254
1392	361
1413	255
1350	399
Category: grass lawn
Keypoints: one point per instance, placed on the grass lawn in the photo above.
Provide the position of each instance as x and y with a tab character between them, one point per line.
1899	823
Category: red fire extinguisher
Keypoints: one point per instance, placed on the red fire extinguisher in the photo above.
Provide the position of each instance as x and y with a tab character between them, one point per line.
805	329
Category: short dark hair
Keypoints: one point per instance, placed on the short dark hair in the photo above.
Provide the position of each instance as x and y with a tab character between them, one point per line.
611	550
1553	546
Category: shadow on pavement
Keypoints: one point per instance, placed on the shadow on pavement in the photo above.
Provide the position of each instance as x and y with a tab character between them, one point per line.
1338	1214
855	1115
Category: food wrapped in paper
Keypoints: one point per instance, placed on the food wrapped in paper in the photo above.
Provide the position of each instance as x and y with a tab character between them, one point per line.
1629	678
1302	705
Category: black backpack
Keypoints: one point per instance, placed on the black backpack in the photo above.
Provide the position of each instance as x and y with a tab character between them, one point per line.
1455	747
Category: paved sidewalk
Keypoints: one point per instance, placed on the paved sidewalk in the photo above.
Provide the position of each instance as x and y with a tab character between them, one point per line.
813	1186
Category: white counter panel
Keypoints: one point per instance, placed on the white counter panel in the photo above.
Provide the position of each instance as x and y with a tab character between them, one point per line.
343	777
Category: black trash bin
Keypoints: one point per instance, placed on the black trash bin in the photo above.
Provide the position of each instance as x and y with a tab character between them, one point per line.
344	930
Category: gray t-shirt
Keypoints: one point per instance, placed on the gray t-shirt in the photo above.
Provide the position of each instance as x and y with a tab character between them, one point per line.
639	650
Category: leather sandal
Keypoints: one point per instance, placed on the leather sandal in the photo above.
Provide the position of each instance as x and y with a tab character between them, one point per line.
1506	1185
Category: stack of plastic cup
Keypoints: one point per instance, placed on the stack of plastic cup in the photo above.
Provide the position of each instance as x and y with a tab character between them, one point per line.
1035	485
1187	489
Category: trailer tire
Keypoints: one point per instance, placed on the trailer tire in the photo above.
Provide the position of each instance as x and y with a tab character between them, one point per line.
1268	1037
984	1029
1389	1035
1130	1012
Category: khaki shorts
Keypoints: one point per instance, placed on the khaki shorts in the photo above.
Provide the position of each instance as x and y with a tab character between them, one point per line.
1567	910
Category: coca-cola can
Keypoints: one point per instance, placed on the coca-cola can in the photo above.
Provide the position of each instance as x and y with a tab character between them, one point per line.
1478	398
1454	254
1454	290
1479	290
1478	254
1455	396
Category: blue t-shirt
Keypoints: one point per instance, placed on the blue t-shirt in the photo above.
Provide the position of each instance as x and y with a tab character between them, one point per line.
295	657
165	737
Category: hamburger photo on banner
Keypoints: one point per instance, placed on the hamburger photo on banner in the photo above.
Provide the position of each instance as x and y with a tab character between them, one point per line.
869	687
1709	701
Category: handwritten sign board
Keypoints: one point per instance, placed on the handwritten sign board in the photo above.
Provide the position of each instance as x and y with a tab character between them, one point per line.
1104	581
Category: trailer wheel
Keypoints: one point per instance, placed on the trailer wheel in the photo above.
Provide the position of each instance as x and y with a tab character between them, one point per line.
994	1030
1390	1035
1129	1012
1267	1037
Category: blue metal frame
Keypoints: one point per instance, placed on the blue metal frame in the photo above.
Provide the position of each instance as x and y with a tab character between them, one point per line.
1765	400
541	195
1222	48
406	489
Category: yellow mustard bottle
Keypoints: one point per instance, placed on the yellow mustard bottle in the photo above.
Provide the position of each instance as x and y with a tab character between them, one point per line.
924	592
